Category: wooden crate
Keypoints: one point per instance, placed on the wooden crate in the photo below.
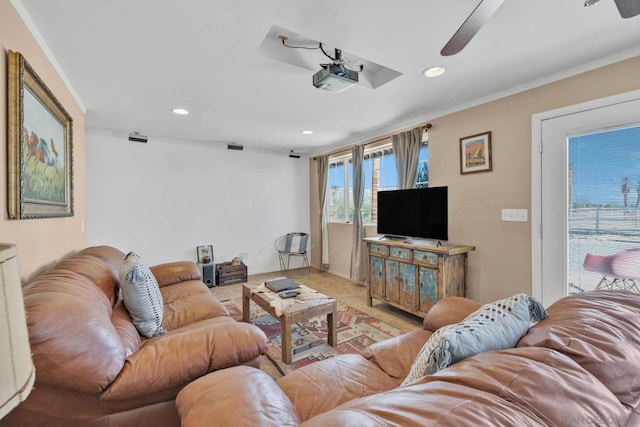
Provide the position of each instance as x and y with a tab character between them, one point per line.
226	273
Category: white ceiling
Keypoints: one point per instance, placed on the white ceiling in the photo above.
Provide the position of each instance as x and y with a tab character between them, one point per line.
131	61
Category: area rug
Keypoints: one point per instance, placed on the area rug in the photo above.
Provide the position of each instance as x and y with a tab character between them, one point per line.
356	330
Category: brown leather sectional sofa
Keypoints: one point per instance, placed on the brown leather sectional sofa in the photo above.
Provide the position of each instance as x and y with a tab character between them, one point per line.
579	367
92	366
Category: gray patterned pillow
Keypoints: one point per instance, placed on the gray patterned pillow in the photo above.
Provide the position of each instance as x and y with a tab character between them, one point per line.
493	326
141	296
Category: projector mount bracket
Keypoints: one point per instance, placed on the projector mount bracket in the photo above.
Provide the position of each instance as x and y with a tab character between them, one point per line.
338	60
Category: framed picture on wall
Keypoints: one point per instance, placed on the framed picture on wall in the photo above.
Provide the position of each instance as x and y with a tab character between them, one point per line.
204	254
39	152
475	153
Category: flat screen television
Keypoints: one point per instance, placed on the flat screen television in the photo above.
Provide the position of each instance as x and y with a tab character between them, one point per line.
418	213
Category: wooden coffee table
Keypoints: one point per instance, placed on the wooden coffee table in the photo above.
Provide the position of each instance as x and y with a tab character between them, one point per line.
297	313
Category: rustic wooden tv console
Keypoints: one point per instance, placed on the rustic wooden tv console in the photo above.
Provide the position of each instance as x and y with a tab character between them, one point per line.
414	275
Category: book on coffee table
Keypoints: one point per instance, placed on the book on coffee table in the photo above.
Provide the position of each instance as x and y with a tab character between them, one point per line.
281	284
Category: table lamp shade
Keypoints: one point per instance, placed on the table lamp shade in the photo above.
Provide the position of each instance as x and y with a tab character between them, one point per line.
17	373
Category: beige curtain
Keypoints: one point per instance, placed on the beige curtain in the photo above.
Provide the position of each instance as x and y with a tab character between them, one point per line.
406	149
357	250
323	172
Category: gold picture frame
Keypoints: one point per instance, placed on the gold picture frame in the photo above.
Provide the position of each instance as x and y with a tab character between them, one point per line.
40	146
475	153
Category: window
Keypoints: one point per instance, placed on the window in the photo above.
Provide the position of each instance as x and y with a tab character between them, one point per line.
422	179
338	181
379	175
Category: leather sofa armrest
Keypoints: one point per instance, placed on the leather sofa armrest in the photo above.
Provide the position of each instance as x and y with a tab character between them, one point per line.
448	311
175	272
239	397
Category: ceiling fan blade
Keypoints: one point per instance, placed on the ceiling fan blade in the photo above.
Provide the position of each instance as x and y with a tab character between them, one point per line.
628	8
471	26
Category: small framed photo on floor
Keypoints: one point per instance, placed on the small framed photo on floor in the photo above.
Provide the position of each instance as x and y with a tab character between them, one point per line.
204	254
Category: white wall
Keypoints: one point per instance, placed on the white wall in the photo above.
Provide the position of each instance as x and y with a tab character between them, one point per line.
163	198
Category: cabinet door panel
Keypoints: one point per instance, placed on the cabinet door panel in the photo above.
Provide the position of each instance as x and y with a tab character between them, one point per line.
428	288
376	276
408	294
393	280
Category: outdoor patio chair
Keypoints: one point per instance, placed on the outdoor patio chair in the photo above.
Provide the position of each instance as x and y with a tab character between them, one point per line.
619	271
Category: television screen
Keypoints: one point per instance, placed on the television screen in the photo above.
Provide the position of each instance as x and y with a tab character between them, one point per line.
418	212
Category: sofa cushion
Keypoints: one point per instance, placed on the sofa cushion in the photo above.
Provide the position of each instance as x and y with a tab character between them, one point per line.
141	295
171	273
601	332
182	355
188	302
542	382
493	326
515	387
320	387
239	396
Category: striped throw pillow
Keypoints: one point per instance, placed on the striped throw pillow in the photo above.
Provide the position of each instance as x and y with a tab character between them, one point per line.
141	296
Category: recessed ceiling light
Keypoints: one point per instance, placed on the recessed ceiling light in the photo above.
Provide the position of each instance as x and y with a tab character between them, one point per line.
307	132
434	71
180	111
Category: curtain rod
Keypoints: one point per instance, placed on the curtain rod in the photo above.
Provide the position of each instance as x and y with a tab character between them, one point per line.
425	127
347	150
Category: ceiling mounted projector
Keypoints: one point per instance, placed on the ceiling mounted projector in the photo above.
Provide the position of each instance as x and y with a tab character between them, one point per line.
335	78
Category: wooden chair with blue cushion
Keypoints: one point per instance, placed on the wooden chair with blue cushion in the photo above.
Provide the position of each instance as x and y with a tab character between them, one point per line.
293	244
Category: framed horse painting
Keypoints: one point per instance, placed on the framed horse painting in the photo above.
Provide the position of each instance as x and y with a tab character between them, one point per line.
40	146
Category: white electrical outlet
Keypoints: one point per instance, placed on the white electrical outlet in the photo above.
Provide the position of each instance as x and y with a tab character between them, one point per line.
515	215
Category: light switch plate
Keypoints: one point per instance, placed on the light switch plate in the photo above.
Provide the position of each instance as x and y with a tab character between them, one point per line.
516	215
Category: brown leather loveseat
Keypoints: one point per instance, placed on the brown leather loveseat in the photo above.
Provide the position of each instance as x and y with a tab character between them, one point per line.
93	368
577	367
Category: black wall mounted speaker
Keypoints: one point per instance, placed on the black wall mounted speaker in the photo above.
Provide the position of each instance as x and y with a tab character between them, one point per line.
137	137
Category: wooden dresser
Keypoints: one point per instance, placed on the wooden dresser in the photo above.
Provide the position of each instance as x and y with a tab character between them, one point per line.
414	276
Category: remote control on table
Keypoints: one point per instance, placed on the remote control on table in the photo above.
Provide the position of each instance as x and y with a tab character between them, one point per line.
289	293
